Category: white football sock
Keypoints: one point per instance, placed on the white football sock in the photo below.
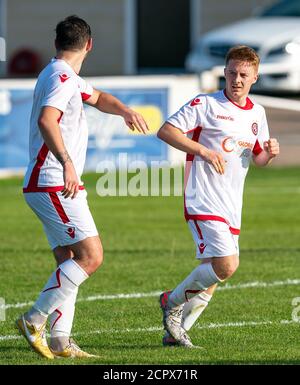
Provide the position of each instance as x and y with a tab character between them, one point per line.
62	284
193	309
61	320
33	316
199	280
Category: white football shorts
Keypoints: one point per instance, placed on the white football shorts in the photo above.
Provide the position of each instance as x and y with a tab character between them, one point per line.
213	239
65	221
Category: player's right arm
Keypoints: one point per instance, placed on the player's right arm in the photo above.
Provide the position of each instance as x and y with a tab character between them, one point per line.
175	138
50	130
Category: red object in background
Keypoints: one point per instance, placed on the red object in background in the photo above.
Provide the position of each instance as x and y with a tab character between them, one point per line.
24	62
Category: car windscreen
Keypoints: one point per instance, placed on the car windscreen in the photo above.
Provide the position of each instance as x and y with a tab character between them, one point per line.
286	8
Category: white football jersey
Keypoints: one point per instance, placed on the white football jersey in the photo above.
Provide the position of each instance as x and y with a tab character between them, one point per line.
236	132
60	87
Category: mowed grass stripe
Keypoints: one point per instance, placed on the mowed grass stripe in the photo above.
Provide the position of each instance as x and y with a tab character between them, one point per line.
104	297
148	247
159	329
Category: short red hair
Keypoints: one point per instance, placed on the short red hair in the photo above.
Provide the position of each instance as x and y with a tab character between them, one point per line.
243	53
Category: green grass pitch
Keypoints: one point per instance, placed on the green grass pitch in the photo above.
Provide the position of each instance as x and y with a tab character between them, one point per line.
148	248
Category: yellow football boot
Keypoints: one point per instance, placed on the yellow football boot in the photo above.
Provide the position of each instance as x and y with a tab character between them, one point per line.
35	337
72	351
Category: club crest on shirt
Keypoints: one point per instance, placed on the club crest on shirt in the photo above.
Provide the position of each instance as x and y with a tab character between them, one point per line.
254	128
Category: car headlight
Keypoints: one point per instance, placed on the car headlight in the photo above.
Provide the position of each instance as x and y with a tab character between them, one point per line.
291	48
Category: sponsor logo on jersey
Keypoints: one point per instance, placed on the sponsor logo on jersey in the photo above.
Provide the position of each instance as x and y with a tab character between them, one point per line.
225	117
64	77
71	232
229	144
254	128
241	143
195	102
202	247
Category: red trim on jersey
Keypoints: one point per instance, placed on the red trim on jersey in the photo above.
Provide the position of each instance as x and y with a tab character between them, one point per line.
248	106
47	189
34	177
59	119
58	317
58	281
58	207
85	96
195	138
257	149
189	161
193	129
40	160
198	229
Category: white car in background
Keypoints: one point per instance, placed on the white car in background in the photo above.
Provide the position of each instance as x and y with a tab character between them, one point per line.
275	36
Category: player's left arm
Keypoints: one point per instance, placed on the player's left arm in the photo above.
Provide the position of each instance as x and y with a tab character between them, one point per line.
106	102
269	152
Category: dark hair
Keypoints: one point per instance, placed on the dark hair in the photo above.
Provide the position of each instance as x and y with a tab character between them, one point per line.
243	53
72	34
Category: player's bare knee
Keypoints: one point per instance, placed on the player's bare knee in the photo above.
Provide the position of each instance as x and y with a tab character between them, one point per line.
98	258
62	254
89	253
225	267
95	259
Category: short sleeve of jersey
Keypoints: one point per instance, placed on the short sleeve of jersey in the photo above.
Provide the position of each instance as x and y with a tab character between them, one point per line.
262	135
86	89
60	89
191	115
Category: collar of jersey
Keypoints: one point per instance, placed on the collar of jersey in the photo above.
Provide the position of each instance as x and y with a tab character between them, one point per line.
64	62
248	106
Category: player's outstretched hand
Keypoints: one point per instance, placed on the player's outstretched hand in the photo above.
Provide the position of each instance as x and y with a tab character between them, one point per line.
271	146
71	182
135	121
216	159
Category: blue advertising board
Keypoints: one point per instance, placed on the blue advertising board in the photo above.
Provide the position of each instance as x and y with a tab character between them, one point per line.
108	134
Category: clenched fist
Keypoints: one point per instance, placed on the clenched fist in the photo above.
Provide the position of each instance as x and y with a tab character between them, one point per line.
271	146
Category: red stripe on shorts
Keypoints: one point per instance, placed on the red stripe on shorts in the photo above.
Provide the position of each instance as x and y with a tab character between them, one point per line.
58	207
200	217
47	189
199	230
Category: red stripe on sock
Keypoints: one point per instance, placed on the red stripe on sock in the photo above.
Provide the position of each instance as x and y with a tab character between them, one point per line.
192	292
58	317
58	281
